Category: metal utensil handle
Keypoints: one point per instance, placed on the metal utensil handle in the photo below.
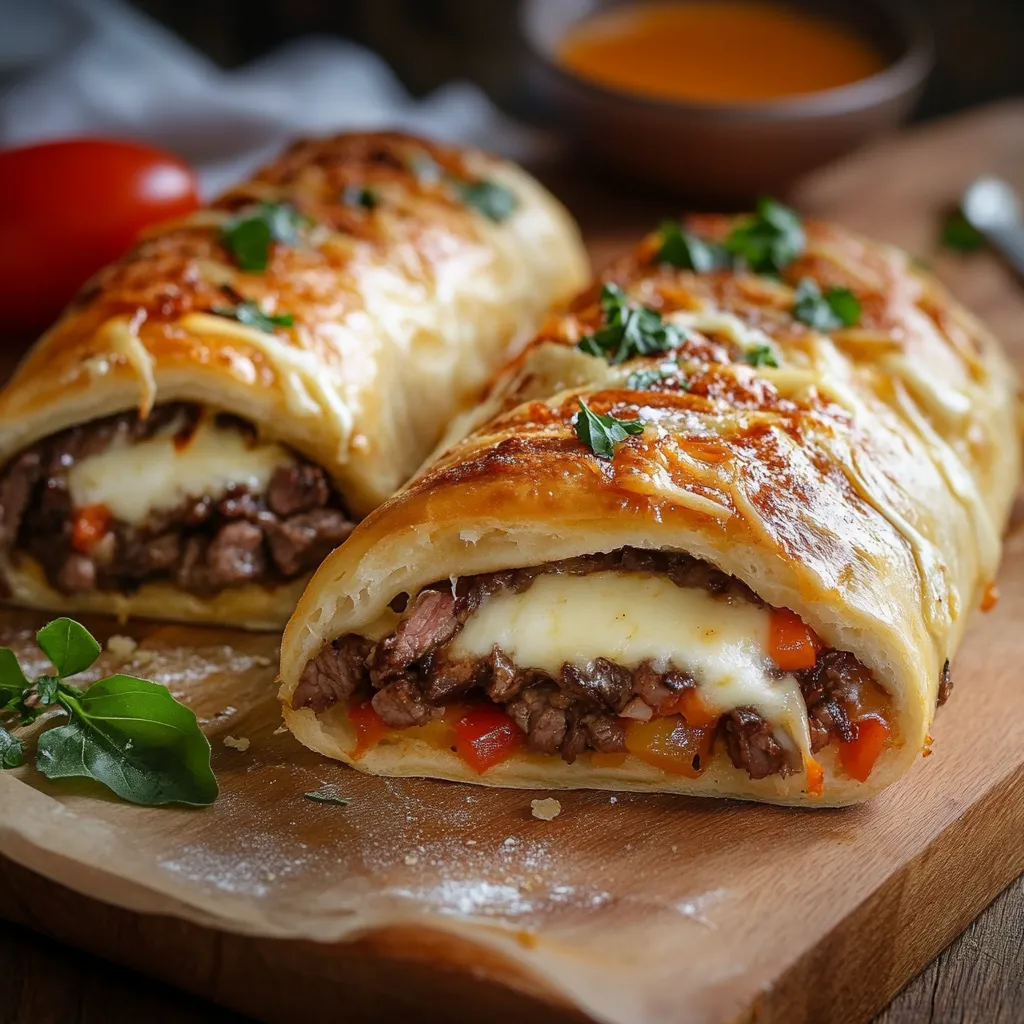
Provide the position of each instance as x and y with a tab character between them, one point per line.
1010	242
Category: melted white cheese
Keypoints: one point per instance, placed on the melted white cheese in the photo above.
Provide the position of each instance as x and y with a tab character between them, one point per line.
133	480
630	618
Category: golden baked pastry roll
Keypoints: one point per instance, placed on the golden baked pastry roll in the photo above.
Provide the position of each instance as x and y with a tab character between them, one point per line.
213	413
717	531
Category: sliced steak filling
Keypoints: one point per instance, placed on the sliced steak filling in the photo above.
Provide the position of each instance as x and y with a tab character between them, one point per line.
413	673
204	545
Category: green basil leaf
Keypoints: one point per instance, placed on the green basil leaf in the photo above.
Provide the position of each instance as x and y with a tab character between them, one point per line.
769	240
249	234
831	311
136	739
602	433
250	314
12	750
688	252
69	645
629	330
12	680
361	196
957	232
762	355
495	201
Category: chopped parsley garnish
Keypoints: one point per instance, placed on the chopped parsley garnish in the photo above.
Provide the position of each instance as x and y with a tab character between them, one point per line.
629	330
770	240
250	314
830	310
495	201
361	196
250	234
426	169
688	252
762	355
328	795
644	380
958	233
129	734
602	433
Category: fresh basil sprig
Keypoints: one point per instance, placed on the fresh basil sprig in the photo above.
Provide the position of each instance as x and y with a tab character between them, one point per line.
602	433
830	310
127	733
250	314
629	330
250	234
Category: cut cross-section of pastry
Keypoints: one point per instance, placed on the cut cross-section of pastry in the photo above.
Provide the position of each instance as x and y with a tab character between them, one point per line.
716	531
216	410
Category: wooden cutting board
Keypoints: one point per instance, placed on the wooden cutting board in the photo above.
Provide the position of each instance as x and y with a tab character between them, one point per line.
453	903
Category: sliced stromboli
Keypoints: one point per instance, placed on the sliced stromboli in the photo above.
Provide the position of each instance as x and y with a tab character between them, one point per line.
705	536
216	410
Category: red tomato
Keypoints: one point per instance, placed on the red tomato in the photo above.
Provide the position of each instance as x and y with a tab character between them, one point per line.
486	736
68	208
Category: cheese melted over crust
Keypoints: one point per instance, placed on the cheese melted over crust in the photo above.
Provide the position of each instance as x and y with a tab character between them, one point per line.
629	618
156	475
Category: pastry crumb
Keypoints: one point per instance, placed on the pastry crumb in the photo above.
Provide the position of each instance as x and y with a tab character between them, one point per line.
236	743
547	809
280	730
121	647
411	858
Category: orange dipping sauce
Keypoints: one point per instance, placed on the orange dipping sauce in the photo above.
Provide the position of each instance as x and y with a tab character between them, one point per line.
717	51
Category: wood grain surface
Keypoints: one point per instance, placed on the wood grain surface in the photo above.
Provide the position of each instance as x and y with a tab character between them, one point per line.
943	844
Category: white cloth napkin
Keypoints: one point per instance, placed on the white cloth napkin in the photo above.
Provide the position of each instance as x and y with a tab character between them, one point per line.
96	67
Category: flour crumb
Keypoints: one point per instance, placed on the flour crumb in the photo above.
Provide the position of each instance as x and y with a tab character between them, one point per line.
546	810
675	849
280	730
411	858
613	799
261	661
234	743
121	647
471	842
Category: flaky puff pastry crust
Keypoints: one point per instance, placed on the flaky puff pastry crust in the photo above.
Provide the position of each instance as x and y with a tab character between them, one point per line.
401	313
864	483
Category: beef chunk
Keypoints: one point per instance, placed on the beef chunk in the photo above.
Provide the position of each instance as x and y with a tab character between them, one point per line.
753	747
401	704
295	488
603	683
235	555
831	688
540	712
431	623
203	545
450	677
77	575
305	540
16	488
605	733
332	675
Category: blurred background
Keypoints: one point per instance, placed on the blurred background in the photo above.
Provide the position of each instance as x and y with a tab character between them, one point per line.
979	43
